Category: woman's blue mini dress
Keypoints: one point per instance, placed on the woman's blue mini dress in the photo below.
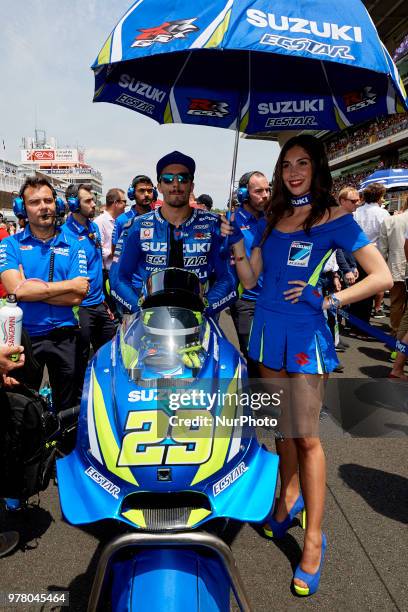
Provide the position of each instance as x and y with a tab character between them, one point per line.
296	337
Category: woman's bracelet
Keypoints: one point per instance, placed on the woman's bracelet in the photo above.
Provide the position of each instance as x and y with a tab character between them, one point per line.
238	257
334	302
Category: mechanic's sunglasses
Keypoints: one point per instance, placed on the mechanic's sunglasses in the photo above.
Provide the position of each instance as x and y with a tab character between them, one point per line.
182	177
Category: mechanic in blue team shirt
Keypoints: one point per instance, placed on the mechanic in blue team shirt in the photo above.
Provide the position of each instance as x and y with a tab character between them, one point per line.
253	195
173	235
95	319
47	271
143	193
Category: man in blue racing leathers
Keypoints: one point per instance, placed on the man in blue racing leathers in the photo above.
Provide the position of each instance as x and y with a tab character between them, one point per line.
172	236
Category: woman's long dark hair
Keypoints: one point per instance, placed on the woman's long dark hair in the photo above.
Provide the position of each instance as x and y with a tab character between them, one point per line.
279	204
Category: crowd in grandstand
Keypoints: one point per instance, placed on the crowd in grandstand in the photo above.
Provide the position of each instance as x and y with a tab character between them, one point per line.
355	178
354	138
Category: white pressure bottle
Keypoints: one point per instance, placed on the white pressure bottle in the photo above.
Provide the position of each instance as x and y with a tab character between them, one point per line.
11	324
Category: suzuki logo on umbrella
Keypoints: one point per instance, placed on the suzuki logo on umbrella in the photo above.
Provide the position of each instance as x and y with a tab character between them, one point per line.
165	32
207	108
291	106
305	26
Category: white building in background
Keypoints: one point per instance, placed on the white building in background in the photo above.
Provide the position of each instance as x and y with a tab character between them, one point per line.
62	163
43	157
12	176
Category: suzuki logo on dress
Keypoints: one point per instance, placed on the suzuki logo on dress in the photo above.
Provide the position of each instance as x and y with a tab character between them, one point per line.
302	359
207	108
165	32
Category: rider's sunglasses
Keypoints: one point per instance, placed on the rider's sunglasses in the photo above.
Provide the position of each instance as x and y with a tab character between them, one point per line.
353	201
182	177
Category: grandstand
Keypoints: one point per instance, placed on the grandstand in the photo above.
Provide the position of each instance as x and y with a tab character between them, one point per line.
357	151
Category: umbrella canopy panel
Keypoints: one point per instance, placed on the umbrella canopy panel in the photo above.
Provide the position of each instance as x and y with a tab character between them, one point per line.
306	65
390	178
269	91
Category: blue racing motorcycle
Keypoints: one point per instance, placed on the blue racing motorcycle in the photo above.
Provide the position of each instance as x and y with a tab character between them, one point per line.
165	445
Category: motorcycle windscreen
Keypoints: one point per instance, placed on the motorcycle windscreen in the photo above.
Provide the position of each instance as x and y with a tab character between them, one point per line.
163	342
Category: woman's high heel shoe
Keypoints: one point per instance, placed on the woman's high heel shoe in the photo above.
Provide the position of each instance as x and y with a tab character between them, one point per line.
277	529
312	580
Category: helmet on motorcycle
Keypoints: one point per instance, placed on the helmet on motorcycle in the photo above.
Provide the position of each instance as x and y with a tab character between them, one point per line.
172	321
169	333
173	287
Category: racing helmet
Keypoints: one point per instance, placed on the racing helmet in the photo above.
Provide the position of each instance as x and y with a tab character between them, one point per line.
173	287
171	334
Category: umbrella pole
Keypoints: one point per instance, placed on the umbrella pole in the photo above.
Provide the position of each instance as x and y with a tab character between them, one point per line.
234	165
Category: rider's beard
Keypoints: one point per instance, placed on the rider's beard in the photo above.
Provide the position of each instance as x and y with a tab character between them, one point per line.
178	201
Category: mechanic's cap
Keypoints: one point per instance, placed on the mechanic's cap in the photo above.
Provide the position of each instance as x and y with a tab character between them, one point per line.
175	158
205	199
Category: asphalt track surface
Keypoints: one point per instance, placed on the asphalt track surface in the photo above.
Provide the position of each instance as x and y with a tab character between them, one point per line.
365	521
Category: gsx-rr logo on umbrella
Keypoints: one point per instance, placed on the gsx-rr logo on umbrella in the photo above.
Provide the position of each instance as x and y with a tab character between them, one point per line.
165	33
207	108
356	100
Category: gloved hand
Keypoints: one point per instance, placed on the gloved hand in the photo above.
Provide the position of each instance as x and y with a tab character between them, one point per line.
312	296
304	293
231	230
189	355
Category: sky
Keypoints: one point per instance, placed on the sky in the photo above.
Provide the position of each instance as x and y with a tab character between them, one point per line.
46	50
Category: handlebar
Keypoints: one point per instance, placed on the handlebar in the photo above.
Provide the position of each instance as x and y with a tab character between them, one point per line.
68	414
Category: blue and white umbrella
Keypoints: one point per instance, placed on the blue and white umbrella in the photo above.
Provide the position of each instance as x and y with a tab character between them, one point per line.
269	66
255	66
390	178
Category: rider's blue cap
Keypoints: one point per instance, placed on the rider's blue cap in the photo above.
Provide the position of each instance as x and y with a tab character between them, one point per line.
175	158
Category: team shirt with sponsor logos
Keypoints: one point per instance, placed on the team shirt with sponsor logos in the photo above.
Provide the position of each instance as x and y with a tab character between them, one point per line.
39	318
301	256
89	239
147	247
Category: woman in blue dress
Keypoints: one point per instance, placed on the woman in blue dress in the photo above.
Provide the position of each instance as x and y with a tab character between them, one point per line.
290	338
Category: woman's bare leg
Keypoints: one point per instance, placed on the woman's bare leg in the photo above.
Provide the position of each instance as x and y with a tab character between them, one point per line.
288	460
312	466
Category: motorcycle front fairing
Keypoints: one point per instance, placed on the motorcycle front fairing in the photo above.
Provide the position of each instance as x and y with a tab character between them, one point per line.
137	444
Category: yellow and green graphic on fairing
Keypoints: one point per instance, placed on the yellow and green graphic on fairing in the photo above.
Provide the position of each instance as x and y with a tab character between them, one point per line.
106	438
222	435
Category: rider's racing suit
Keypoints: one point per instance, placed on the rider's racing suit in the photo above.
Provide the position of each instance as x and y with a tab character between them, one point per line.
145	248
